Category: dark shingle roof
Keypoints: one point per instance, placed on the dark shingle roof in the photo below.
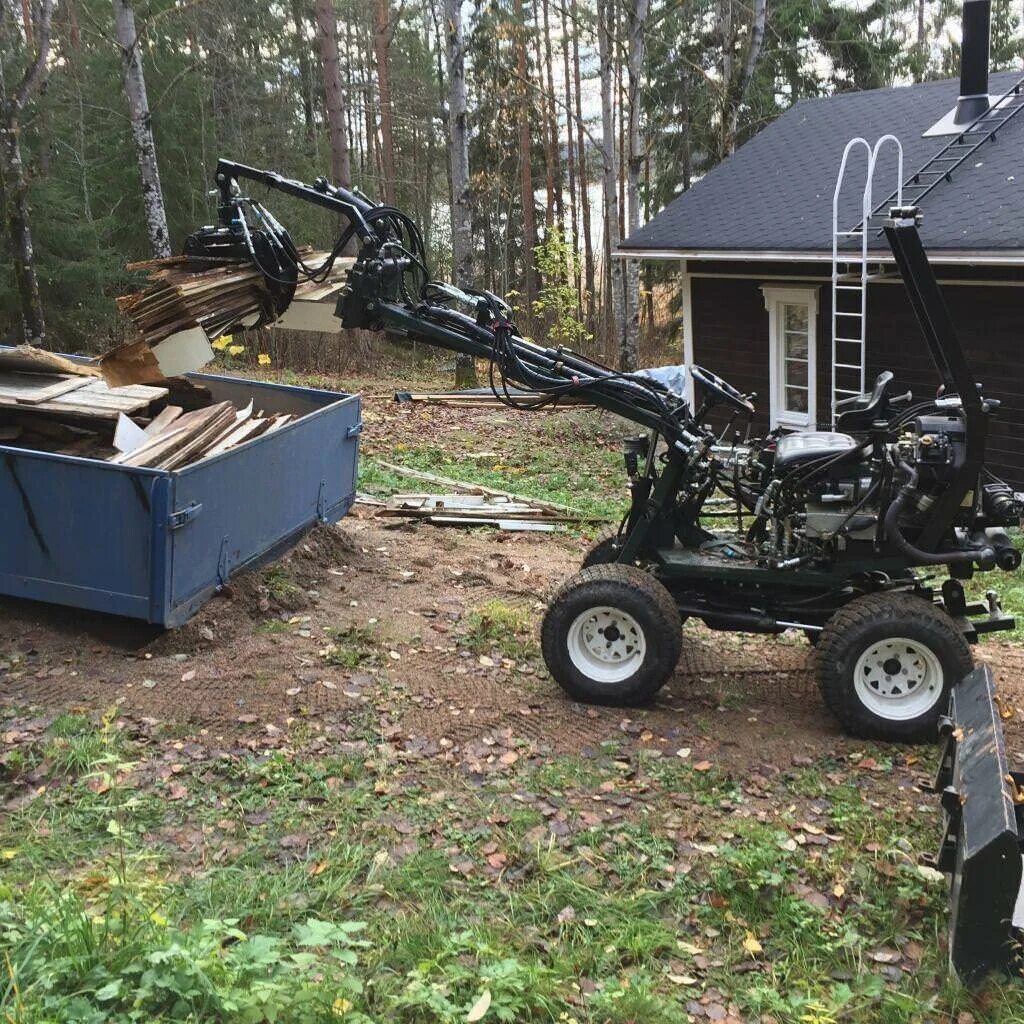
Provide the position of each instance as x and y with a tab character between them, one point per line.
775	192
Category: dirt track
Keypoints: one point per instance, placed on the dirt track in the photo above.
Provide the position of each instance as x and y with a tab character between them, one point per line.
253	658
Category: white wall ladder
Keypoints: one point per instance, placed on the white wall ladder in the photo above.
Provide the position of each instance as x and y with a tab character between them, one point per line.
850	276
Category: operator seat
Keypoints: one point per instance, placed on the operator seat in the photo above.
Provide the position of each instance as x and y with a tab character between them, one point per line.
795	449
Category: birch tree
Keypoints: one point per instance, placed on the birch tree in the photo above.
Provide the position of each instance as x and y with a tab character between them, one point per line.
525	162
630	356
458	146
142	129
736	83
458	159
12	165
614	312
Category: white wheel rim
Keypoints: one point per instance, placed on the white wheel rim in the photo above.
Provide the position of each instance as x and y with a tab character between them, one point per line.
606	644
898	679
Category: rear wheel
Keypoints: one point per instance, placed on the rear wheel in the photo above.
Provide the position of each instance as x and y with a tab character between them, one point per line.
611	635
887	663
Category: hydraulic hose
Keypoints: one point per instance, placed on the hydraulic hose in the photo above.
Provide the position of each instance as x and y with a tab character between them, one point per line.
966	556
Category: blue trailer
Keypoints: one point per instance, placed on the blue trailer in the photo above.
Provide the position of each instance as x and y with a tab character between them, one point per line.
155	544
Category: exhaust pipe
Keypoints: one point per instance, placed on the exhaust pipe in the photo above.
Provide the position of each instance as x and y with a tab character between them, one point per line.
974	54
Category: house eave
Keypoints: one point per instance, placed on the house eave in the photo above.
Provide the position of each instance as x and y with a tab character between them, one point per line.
1007	257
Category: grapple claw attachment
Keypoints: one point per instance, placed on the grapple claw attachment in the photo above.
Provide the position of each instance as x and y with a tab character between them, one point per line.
983	835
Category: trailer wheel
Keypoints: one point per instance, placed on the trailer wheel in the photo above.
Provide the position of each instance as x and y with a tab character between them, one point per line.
611	635
887	663
604	550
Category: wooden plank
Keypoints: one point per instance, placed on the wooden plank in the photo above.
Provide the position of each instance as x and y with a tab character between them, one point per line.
95	400
32	388
29	359
181	432
163	420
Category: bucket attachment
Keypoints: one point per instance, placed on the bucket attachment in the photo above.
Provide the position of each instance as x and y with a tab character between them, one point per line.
981	848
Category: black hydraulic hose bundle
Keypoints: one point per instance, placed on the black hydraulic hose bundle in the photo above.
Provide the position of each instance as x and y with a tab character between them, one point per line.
966	556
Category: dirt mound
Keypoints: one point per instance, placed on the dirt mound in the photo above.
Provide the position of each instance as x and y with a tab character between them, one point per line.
285	586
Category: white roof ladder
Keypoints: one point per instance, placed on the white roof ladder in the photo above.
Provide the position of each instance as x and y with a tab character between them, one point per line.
850	276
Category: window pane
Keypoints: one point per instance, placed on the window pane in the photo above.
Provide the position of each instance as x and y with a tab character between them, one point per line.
796	373
796	318
796	345
796	400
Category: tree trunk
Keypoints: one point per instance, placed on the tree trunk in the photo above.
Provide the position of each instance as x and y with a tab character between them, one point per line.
142	129
570	158
584	172
613	269
382	51
735	91
15	185
637	54
327	38
554	146
525	164
458	159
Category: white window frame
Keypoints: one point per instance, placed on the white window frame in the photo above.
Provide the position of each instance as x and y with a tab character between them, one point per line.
775	298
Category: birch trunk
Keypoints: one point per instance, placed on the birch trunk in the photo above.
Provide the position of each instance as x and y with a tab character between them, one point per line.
458	147
609	174
736	90
458	160
382	52
142	129
589	275
637	54
570	158
525	164
15	185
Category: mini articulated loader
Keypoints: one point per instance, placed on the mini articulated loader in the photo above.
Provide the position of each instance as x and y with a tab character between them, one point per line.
847	528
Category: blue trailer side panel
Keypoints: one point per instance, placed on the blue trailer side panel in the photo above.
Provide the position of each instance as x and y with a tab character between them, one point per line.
154	544
76	531
247	502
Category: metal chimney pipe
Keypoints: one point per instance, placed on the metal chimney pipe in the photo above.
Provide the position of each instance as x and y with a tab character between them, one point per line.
974	49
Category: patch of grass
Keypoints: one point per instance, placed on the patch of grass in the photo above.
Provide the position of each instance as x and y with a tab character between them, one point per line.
351	646
503	627
76	745
240	898
280	586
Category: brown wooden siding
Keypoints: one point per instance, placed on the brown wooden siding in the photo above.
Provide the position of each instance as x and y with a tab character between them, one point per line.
730	332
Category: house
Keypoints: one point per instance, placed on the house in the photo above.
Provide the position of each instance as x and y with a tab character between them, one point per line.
753	240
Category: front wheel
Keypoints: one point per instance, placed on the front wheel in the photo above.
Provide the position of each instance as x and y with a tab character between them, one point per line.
612	635
887	663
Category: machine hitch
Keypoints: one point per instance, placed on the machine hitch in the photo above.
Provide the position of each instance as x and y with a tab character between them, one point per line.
983	833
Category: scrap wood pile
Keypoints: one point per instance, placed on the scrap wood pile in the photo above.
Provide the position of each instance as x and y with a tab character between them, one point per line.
186	292
470	505
52	404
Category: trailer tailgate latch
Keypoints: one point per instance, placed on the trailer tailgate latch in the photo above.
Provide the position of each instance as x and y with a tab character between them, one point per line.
355	430
178	519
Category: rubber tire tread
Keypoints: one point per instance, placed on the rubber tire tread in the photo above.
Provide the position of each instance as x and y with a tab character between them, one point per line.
849	631
604	545
646	599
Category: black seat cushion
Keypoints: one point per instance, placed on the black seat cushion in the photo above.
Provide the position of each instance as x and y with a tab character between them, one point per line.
793	449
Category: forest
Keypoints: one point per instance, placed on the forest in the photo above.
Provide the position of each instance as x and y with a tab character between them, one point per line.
527	137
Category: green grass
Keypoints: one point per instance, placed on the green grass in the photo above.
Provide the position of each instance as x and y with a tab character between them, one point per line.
569	458
361	889
498	626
